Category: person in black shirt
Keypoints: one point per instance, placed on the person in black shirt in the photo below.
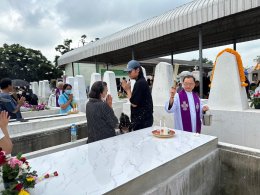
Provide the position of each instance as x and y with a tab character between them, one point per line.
140	98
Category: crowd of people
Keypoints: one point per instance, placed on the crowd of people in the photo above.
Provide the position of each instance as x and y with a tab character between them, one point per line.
183	102
185	105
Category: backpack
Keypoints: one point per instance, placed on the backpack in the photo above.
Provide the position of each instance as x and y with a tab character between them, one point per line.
124	124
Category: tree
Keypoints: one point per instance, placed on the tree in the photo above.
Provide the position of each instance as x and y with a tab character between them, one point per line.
204	60
62	49
83	39
18	62
65	47
257	60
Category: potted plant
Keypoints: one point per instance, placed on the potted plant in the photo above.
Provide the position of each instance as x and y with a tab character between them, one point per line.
255	101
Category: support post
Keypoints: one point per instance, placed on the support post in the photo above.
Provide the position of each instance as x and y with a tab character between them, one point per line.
235	44
200	63
133	54
97	66
172	58
72	66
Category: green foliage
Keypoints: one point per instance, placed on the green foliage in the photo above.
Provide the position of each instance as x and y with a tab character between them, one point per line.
18	62
204	60
257	59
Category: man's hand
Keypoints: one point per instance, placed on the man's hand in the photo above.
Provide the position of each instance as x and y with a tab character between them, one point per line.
172	92
109	100
21	101
4	119
126	86
205	108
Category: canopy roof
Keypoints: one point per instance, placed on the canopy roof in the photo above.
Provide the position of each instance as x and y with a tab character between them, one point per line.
221	21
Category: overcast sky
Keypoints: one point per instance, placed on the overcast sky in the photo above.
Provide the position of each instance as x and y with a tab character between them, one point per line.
43	24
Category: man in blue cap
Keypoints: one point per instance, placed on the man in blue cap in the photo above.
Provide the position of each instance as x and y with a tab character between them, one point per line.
140	98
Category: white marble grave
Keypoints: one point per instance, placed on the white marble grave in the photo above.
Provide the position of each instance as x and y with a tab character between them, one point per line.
226	91
232	121
40	89
35	87
70	80
79	94
163	81
18	129
94	77
46	91
110	79
132	163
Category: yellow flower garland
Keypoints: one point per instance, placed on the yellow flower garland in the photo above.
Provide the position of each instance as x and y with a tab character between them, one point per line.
239	63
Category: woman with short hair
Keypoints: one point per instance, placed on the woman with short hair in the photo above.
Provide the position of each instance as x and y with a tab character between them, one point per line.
101	119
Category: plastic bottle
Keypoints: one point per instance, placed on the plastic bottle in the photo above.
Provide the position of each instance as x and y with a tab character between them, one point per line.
73	132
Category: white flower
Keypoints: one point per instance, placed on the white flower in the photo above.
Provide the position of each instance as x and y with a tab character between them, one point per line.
18	59
24	166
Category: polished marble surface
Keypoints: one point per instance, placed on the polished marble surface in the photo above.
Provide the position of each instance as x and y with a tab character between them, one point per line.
102	166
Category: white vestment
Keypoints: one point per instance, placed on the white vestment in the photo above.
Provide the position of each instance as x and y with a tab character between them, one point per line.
176	110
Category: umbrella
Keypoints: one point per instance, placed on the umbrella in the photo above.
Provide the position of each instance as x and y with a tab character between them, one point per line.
20	83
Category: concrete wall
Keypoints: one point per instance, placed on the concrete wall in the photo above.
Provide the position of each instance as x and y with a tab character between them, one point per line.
229	170
239	172
235	127
202	177
38	141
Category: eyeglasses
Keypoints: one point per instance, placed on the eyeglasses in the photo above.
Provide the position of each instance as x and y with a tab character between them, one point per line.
188	84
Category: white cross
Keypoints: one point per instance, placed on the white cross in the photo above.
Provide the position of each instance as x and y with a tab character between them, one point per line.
197	106
184	105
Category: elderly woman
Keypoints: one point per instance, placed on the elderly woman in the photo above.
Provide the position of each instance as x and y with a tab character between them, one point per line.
101	119
58	92
65	99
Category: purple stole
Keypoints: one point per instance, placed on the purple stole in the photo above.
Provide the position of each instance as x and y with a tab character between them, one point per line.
185	111
57	93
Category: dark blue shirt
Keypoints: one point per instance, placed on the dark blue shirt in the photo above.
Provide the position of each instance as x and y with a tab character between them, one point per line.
10	106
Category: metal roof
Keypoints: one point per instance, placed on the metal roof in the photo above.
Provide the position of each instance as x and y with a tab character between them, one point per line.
221	21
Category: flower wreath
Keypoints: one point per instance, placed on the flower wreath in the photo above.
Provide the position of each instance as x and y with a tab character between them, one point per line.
239	64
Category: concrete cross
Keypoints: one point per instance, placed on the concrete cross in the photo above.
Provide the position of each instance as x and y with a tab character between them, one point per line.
184	105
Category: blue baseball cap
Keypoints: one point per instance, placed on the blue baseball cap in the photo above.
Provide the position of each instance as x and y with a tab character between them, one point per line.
132	65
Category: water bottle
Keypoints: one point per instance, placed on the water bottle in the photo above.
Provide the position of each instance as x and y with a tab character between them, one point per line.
73	132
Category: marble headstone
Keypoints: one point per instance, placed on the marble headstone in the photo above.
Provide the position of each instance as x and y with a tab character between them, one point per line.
35	87
163	81
70	80
110	79
80	95
94	77
40	88
226	91
46	89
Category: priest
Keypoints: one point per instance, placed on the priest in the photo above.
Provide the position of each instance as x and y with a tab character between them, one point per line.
186	107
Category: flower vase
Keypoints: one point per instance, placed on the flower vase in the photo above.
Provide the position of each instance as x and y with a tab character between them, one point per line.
257	106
